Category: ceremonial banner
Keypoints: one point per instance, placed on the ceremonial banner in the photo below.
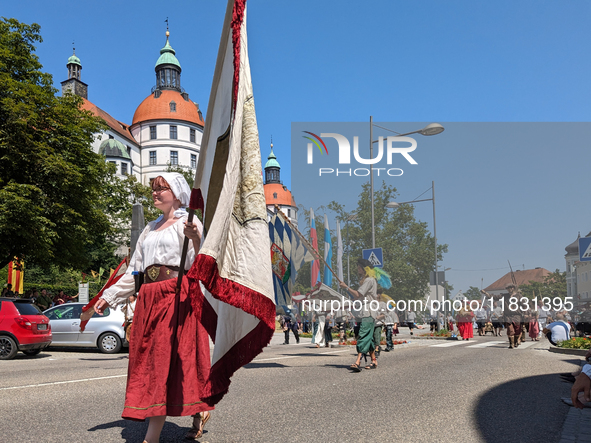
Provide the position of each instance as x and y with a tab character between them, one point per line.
314	240
288	254
327	277
16	275
231	281
339	253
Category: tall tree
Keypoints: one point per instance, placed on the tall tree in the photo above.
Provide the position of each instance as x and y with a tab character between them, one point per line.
407	244
473	293
50	178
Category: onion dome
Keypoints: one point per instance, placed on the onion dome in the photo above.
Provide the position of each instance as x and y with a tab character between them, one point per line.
573	248
167	55
168	105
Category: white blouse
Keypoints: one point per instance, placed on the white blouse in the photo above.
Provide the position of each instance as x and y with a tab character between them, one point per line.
162	247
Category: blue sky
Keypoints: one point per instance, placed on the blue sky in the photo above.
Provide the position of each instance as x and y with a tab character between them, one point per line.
421	61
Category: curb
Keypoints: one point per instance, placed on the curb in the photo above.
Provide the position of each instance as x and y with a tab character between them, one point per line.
568	351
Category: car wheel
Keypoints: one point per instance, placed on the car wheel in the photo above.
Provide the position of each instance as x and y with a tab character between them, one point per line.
109	343
32	352
8	348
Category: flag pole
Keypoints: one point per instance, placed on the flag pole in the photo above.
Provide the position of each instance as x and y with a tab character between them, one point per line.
306	242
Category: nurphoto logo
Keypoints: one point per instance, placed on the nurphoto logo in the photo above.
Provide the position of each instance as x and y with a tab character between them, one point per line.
392	147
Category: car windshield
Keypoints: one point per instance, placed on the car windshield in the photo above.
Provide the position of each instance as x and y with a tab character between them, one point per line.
27	309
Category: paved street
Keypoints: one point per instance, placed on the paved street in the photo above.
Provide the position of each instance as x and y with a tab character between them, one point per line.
429	391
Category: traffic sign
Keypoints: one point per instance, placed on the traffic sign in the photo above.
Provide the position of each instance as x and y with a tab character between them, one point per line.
375	257
585	249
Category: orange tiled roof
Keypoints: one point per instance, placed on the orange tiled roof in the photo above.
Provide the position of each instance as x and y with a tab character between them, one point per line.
159	109
284	196
521	277
120	128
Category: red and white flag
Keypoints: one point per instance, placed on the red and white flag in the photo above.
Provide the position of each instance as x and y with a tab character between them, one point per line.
231	278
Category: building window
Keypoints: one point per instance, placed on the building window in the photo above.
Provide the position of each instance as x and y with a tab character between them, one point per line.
192	135
193	161
172	107
111	137
152	132
113	163
174	157
173	132
123	168
274	195
152	157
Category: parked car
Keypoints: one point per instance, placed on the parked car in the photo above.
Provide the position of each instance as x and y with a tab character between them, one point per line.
103	331
23	327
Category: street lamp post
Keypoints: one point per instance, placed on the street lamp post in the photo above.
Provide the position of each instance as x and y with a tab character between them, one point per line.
430	129
394	205
347	220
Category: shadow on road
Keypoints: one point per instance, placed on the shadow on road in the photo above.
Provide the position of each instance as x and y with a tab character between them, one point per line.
255	365
524	410
133	431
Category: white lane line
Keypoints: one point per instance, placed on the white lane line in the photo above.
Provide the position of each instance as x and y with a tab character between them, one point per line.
486	344
61	382
447	345
335	352
295	356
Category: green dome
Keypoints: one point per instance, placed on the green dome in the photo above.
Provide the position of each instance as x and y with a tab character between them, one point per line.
74	60
167	56
272	160
113	148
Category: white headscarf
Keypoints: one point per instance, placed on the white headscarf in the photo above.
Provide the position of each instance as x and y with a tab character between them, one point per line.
179	186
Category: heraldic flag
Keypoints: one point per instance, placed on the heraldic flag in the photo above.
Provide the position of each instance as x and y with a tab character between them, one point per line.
231	281
288	254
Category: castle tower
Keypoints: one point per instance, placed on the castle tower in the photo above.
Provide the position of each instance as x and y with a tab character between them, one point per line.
73	85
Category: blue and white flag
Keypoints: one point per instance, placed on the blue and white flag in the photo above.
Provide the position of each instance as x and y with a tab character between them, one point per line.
288	254
327	278
339	253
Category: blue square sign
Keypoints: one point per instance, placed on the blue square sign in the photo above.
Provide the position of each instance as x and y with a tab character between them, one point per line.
585	249
375	256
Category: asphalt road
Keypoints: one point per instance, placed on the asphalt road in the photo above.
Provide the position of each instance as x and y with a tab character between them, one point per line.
475	391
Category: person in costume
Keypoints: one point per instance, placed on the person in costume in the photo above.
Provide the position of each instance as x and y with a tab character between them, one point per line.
512	317
465	319
169	358
367	292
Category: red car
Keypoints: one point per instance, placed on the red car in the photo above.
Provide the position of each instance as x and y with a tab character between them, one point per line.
23	327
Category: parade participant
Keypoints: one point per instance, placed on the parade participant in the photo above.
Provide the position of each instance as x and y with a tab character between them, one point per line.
495	317
511	317
465	320
169	350
379	317
390	320
410	320
290	325
319	338
481	319
534	325
366	293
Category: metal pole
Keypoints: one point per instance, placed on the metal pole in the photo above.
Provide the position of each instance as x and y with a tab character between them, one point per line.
435	237
348	254
373	228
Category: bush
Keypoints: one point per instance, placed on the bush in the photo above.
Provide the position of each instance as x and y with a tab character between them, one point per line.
575	343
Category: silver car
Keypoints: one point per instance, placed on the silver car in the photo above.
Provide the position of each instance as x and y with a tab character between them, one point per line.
103	331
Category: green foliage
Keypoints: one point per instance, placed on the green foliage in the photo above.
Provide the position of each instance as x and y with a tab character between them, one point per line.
407	244
576	343
50	179
554	285
473	293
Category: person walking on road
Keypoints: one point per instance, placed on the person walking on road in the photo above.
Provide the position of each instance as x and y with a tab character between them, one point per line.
366	293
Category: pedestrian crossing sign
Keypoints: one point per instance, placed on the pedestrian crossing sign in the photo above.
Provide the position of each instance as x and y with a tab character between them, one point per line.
375	257
585	249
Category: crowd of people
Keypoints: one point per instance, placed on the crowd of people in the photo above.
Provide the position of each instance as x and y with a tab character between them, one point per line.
43	300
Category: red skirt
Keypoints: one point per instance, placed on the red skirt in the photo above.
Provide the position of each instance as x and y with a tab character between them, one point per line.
466	329
168	364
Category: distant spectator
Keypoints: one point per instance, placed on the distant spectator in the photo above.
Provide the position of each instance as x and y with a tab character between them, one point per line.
44	301
8	292
557	331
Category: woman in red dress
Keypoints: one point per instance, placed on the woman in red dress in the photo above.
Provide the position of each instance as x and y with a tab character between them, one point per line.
464	320
169	349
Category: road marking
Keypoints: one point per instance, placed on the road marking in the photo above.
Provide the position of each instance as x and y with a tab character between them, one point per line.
295	356
447	345
334	352
486	344
62	382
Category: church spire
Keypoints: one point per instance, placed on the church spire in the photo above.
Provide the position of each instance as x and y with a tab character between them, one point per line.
74	84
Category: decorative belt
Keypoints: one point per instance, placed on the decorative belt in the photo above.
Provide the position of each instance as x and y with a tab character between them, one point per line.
156	273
